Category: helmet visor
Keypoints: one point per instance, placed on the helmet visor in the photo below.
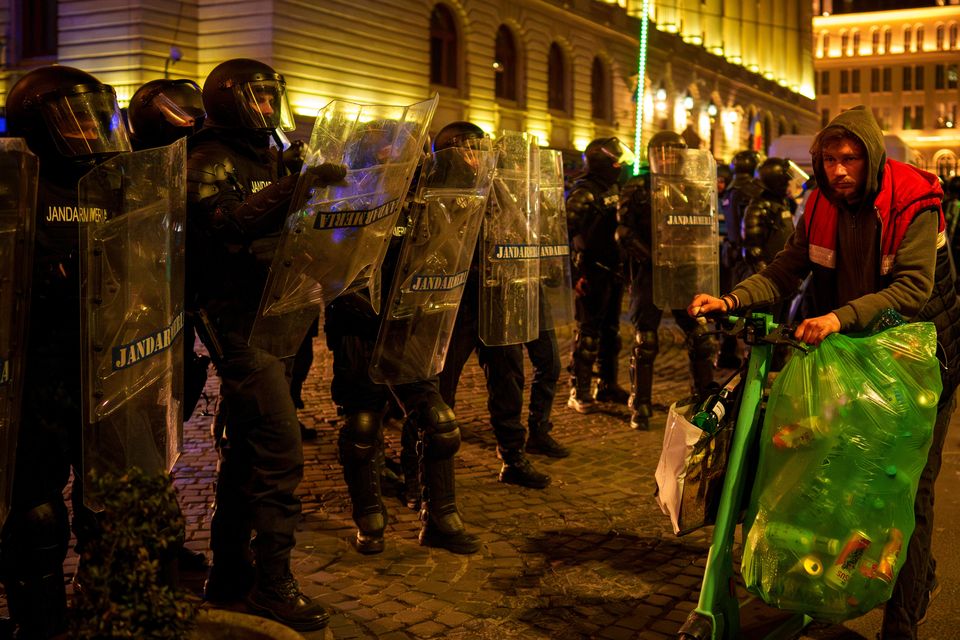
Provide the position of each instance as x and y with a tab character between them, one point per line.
180	104
262	104
86	122
621	154
666	160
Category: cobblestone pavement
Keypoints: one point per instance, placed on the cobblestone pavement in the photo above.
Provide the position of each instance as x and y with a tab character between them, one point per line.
590	556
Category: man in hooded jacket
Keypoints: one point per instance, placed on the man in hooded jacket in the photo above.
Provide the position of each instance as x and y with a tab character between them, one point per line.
873	237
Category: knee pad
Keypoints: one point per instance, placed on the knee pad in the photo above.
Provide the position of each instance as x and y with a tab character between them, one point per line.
647	346
360	437
441	434
38	542
587	347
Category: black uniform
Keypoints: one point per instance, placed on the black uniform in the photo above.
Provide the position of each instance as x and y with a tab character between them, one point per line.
634	234
431	436
592	214
36	534
238	197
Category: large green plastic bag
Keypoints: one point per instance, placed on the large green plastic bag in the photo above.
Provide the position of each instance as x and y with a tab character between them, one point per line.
844	441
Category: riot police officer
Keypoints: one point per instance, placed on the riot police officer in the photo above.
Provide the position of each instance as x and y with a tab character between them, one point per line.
238	197
502	365
743	187
160	113
71	122
768	217
592	218
634	236
430	437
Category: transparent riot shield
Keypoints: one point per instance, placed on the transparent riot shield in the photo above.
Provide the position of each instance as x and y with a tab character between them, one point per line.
509	249
18	197
132	269
685	233
556	280
433	264
336	237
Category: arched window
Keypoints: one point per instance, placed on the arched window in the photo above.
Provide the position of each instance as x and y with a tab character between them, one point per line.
856	43
907	37
887	39
919	38
953	35
825	44
599	91
505	65
556	79
875	41
844	43
443	48
941	32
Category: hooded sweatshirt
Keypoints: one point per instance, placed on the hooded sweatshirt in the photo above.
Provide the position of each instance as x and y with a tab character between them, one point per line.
874	254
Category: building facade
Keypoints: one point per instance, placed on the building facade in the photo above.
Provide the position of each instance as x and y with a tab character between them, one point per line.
735	74
904	65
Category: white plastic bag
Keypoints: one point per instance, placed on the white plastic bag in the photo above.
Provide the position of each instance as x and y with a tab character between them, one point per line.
679	440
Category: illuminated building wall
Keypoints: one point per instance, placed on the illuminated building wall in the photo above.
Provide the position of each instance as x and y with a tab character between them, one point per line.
563	70
903	64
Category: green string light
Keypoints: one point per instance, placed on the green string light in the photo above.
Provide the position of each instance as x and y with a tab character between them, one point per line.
641	86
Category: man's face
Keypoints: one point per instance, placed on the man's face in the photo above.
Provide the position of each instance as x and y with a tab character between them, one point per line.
845	163
266	101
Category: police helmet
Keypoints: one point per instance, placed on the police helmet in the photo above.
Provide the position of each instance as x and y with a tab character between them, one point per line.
163	111
63	111
455	134
774	173
604	157
665	153
745	161
247	94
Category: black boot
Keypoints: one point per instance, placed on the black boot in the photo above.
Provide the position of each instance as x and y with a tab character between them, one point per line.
35	545
608	389
410	462
581	366
360	446
540	441
518	470
641	403
442	524
229	580
280	598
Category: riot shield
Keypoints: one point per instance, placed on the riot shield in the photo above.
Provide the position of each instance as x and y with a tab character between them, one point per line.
433	264
131	286
509	249
685	234
556	279
18	197
336	237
